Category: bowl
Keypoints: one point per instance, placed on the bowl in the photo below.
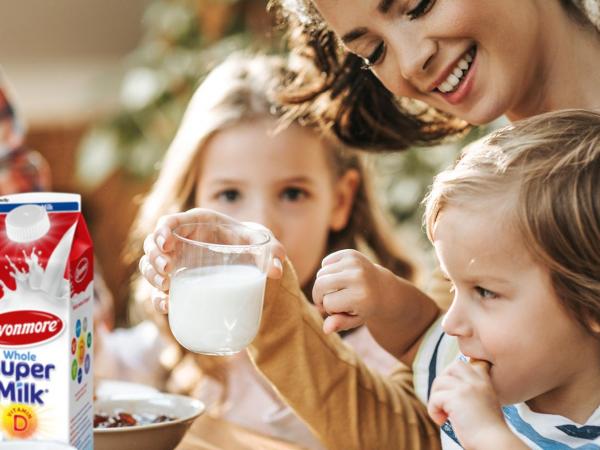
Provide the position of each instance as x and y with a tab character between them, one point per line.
34	445
154	436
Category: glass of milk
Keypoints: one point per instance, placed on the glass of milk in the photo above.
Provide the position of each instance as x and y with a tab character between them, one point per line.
217	286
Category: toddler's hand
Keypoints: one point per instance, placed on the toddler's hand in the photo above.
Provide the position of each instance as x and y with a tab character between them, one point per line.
463	394
347	288
156	264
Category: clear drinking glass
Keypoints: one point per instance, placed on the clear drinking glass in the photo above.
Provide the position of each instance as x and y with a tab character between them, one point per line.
217	286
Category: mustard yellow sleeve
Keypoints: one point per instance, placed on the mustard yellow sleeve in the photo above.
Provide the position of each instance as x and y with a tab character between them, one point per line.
345	404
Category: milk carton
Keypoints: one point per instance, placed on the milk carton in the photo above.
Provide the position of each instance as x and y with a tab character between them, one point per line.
46	297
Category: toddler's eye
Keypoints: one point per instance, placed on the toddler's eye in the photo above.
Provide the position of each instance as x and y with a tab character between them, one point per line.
293	194
229	195
485	293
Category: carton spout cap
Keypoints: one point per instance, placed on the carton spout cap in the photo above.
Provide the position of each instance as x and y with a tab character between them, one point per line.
27	223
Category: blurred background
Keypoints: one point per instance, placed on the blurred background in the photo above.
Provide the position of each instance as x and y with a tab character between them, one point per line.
102	85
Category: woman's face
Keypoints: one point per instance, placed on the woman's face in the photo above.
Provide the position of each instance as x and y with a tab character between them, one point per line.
282	181
476	59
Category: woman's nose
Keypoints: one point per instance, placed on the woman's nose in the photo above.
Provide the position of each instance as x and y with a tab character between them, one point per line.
414	56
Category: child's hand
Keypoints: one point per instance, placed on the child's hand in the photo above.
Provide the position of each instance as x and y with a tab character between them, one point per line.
348	288
156	264
463	394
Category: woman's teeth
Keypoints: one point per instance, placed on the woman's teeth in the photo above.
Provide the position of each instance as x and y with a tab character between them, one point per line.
461	69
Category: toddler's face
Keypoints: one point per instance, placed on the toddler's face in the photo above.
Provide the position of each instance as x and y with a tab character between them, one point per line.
283	182
506	312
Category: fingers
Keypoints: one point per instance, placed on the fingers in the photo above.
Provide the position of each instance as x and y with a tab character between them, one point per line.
339	322
157	280
338	273
277	257
159	260
472	372
462	379
160	301
345	301
327	284
436	408
341	255
441	392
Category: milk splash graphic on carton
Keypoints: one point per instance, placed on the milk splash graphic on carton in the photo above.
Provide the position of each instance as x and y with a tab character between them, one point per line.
46	302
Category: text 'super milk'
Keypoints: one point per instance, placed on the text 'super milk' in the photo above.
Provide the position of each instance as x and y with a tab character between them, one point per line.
46	297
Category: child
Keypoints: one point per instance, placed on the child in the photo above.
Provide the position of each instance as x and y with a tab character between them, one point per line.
309	191
516	227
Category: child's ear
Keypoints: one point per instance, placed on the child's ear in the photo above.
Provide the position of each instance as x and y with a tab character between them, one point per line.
345	193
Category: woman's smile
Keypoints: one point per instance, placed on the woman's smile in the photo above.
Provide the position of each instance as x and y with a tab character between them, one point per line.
460	79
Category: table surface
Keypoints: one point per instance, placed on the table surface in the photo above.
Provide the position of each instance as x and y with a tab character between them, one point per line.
209	433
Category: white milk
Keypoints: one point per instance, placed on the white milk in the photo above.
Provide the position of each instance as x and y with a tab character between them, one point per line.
216	309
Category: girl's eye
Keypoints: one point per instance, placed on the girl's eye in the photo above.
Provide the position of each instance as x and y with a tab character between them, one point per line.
422	8
294	194
484	293
375	57
229	195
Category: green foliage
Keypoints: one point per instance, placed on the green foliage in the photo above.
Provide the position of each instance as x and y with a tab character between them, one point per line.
403	179
160	78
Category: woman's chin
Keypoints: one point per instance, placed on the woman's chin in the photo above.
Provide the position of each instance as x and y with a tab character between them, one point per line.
482	116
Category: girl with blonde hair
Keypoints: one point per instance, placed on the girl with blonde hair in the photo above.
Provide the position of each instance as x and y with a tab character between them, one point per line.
309	190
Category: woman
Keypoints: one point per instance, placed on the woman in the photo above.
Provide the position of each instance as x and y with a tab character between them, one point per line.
469	59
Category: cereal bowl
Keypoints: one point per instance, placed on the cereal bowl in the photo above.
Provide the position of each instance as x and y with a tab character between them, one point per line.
146	436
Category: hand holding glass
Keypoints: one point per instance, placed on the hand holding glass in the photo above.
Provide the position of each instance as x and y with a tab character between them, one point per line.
217	286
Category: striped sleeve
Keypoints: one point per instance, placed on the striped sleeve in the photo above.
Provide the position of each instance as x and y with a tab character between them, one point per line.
437	351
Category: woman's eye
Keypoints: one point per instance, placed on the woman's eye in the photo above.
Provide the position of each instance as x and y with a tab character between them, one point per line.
422	8
484	293
293	194
374	58
229	195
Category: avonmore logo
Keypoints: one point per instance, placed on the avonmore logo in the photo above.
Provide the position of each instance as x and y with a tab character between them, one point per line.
18	328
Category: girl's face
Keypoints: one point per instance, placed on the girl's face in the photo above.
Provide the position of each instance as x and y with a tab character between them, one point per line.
283	182
506	312
476	59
